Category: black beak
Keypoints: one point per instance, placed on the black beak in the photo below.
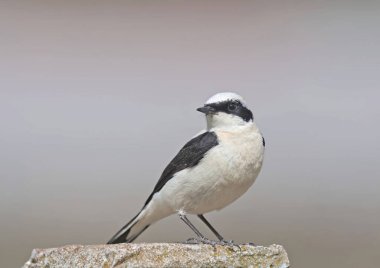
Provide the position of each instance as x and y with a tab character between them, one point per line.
206	110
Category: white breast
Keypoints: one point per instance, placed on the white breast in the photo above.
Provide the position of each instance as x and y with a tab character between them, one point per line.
223	175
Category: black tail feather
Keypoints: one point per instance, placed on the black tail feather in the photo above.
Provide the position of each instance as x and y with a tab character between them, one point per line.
122	235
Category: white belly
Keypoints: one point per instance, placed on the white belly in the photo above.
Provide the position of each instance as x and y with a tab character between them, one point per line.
224	174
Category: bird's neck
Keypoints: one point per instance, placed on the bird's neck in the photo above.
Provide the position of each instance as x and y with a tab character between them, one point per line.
249	126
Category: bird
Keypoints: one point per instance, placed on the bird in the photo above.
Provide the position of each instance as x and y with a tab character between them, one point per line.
211	171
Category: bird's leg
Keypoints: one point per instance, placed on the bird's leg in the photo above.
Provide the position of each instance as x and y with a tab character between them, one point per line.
201	238
192	227
221	239
211	228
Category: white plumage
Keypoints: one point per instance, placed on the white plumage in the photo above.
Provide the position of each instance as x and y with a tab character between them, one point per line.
225	172
224	96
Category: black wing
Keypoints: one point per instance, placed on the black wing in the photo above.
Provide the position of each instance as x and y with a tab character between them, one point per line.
188	156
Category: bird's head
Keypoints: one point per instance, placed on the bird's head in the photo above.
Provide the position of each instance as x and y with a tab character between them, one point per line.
226	110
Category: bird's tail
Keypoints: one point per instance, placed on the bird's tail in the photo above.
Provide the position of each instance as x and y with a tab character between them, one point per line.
131	230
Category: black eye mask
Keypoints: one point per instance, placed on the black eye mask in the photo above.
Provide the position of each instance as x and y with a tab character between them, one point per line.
232	107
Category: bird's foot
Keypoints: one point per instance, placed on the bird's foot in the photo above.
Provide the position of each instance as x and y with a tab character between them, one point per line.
229	243
200	240
203	240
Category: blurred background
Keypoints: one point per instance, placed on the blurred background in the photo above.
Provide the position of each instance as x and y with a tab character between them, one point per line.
96	97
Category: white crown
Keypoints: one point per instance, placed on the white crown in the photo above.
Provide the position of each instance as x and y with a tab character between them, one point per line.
225	96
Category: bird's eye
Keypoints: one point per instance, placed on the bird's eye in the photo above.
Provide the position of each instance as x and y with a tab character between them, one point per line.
232	106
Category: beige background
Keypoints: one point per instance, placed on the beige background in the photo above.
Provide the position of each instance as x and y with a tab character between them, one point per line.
97	96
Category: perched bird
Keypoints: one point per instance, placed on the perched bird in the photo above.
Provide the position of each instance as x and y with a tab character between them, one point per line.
211	171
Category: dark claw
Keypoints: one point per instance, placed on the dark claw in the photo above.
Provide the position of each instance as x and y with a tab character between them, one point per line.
192	240
200	240
229	243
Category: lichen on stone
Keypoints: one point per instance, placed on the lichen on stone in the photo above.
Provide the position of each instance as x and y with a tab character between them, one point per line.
159	255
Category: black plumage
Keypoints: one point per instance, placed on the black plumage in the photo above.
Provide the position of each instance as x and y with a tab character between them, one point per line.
234	107
187	157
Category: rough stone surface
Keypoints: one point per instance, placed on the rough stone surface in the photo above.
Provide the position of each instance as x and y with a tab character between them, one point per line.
159	255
